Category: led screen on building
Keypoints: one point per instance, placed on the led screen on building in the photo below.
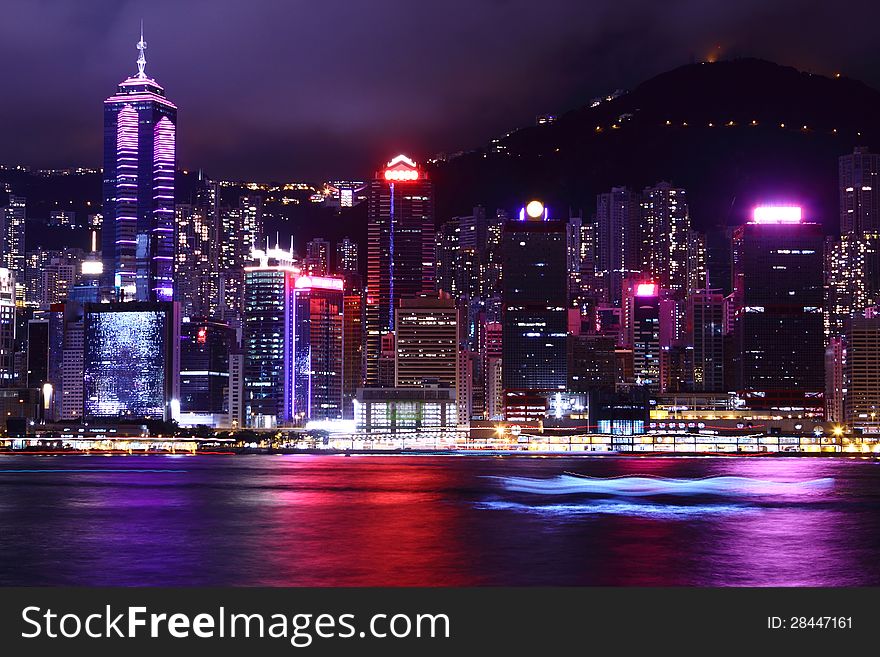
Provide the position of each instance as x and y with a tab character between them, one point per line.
126	364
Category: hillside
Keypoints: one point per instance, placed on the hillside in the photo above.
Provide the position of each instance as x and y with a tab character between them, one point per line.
733	133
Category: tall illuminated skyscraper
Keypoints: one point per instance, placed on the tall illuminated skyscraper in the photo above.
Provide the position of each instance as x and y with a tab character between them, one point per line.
859	182
534	316
140	126
13	219
400	248
779	355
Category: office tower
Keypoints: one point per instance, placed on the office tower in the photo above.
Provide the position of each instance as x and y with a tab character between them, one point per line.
353	364
241	231
7	327
197	252
205	345
131	360
139	168
235	418
268	337
852	266
853	262
669	247
643	300
317	348
13	222
37	352
400	248
590	362
426	342
705	317
318	256
862	402
490	369
72	362
58	278
534	318
346	257
618	240
859	184
574	253
778	290
835	380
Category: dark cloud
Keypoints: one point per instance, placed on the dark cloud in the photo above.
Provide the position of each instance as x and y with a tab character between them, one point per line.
305	89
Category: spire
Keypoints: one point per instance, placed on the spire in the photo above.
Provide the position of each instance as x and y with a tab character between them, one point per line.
141	60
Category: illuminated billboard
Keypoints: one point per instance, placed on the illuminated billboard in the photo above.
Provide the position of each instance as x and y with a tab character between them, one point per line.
128	360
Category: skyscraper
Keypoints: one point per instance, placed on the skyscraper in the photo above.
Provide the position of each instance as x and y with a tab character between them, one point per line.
778	290
346	257
426	342
318	256
706	334
859	182
205	345
131	360
400	247
196	257
317	347
140	126
534	316
618	243
13	221
7	327
853	261
268	337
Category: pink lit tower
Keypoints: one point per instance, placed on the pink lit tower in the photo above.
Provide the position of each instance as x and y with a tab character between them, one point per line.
137	241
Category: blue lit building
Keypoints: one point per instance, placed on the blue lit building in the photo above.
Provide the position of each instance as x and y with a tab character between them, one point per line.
131	360
137	238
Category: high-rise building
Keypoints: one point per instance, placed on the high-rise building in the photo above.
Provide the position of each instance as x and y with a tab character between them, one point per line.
268	337
706	334
7	327
131	360
534	316
353	364
618	240
862	402
318	348
778	331
13	222
139	168
205	345
643	298
241	231
852	263
318	256
426	342
400	248
71	393
859	182
346	257
835	380
196	257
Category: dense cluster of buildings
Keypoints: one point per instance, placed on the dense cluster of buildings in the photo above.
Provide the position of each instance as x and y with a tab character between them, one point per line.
516	317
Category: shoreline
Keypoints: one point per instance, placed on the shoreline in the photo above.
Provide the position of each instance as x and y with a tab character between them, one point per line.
436	452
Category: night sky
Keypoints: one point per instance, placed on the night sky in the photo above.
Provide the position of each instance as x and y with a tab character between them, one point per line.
306	90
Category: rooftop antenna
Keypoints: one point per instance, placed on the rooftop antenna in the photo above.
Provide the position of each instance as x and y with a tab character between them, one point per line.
141	60
277	240
291	244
